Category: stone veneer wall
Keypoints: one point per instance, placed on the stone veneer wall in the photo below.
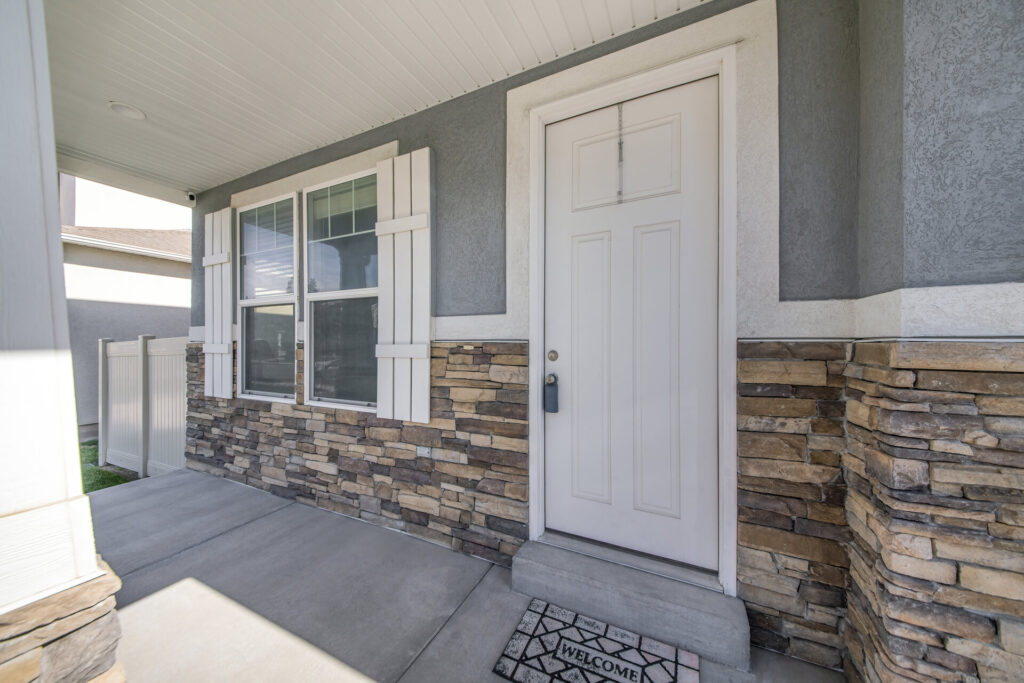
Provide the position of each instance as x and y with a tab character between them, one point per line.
792	566
68	636
935	468
881	488
459	481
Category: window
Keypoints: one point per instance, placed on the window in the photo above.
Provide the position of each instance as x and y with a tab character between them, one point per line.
266	285
341	291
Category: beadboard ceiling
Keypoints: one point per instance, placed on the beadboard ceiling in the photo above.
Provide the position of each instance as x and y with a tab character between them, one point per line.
233	86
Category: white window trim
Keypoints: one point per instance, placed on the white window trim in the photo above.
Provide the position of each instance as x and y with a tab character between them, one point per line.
241	303
309	297
354	163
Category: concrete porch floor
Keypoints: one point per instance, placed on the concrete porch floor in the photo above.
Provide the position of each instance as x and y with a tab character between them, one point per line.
223	581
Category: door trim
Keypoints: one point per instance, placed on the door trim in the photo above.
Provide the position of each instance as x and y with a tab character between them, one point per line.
720	62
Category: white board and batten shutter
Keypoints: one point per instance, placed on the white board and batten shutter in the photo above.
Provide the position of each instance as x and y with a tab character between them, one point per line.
219	303
404	323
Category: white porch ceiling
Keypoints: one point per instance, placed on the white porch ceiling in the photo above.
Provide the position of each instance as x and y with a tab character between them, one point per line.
233	86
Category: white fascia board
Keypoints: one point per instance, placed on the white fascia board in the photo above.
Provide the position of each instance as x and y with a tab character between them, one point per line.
125	248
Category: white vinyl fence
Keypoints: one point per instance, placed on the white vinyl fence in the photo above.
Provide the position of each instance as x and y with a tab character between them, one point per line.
142	404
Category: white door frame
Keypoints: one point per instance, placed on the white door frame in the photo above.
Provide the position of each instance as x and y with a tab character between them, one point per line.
720	62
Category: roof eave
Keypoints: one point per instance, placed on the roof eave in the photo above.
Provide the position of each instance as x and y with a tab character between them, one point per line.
125	248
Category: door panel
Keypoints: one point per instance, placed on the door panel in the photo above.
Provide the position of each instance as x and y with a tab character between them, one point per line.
591	451
631	306
655	369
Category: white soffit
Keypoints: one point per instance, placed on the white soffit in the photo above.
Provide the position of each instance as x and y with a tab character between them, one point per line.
233	86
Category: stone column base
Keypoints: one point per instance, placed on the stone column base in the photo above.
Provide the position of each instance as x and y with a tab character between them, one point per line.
70	636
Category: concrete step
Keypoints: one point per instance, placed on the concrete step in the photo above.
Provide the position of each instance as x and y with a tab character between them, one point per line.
706	622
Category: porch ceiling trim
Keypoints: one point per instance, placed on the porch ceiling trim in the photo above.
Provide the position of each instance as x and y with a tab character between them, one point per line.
226	92
126	180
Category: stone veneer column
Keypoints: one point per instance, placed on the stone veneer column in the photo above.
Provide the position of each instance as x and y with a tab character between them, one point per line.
792	525
68	636
57	619
935	468
459	481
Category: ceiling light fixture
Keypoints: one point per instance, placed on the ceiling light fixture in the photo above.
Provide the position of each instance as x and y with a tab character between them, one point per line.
127	110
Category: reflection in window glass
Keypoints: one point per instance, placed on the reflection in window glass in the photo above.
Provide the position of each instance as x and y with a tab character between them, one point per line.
268	355
342	244
266	250
344	333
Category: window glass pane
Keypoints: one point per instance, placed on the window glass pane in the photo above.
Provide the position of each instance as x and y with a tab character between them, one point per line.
365	204
284	223
341	209
343	263
249	230
266	250
344	343
318	217
267	273
342	255
265	223
268	354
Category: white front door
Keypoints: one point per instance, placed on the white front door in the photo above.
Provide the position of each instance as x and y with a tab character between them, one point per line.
631	309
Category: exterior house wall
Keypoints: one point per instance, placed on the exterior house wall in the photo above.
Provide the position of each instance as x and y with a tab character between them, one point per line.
936	495
963	205
817	586
467	137
118	296
792	565
939	196
880	200
818	139
459	481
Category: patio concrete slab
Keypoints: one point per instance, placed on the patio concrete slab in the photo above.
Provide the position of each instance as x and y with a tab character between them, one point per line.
470	643
166	638
147	520
369	597
214	589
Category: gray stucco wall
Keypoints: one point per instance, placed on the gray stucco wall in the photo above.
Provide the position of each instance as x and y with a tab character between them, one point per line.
886	181
818	122
880	205
467	135
964	133
90	321
467	138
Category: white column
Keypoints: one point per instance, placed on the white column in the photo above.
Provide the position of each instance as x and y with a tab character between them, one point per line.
46	539
66	189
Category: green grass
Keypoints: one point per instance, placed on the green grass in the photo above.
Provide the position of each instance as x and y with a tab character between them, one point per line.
94	478
90	452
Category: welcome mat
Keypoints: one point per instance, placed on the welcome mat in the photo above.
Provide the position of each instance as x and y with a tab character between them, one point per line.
555	644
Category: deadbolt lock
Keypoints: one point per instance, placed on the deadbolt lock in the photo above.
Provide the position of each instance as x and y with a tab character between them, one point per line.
551	393
552	355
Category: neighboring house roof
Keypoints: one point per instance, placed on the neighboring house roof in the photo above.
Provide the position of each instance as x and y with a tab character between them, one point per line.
173	245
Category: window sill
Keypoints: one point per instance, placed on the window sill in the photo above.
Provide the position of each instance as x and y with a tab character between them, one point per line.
268	399
343	406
